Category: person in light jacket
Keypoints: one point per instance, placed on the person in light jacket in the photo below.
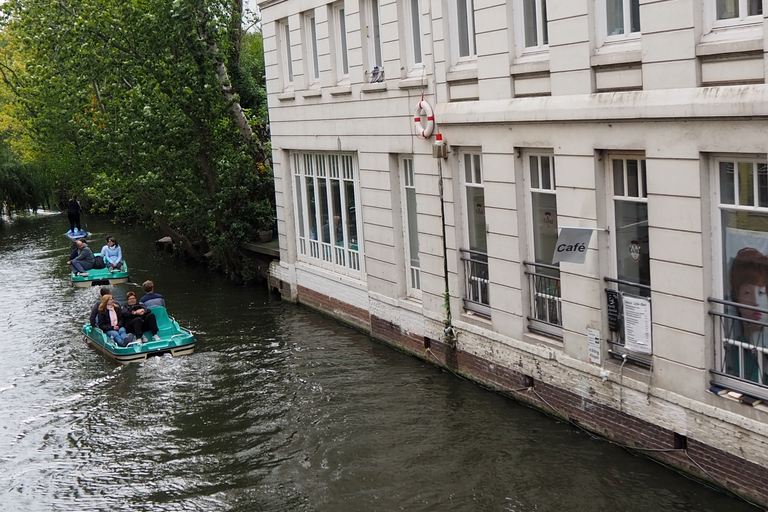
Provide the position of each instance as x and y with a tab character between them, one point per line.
112	255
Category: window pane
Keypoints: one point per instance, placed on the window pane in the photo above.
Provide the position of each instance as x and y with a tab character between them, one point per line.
477	168
349	196
337	232
468	168
634	15
463	27
529	22
311	205
746	187
614	10
544	226
546	174
762	185
755	7
535	172
300	204
618	177
632	250
413	230
727	9
322	202
313	42
726	183
416	29
288	58
545	39
632	179
643	180
376	33
476	219
343	37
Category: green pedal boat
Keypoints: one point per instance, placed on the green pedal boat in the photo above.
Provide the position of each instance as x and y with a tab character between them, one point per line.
174	340
99	277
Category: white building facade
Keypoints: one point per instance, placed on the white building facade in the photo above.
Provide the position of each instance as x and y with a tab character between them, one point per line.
643	123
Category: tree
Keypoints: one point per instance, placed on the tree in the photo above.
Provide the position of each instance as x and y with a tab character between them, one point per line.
135	96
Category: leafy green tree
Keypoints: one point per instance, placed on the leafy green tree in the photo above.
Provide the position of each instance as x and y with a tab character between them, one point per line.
134	99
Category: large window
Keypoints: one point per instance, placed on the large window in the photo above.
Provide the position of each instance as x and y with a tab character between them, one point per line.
414	53
339	40
737	9
475	254
326	213
372	38
732	19
410	227
742	347
284	47
535	23
543	274
310	46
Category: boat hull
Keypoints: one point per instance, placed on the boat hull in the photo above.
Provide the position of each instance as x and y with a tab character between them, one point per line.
100	277
174	340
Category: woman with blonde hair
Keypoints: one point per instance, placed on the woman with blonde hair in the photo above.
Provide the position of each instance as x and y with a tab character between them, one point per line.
111	320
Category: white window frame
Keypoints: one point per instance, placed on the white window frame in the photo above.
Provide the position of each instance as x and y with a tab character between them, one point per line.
740	27
371	32
408	183
479	280
283	31
718	231
339	41
541	28
601	25
469	31
414	42
311	53
344	255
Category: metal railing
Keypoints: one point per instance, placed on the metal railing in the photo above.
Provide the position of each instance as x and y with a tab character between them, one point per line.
546	303
476	284
740	334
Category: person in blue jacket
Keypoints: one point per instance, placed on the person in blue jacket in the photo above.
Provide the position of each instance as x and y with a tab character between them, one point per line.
112	255
151	299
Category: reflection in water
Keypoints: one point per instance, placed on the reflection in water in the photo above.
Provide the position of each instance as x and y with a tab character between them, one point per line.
279	409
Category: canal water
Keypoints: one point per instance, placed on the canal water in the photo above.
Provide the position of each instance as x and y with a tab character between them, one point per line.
279	409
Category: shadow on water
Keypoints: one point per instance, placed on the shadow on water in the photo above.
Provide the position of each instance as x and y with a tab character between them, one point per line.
279	409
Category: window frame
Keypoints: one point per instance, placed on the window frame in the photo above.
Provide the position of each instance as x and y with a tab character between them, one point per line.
408	182
413	37
473	258
470	31
346	258
283	31
730	28
370	22
520	34
601	24
311	51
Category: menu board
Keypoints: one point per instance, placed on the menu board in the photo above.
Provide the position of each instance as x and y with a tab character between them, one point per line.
637	324
593	340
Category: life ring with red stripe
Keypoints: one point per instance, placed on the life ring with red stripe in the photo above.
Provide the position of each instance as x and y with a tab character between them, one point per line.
424	111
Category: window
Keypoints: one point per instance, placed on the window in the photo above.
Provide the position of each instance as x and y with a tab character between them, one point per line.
326	214
372	35
310	45
410	227
412	17
475	257
535	23
737	9
622	16
286	62
464	32
543	275
630	225
741	349
341	55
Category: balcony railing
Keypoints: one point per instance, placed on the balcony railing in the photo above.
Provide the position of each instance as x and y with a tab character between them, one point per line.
476	287
740	346
546	304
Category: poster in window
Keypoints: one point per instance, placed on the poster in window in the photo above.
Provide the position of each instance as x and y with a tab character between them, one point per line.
637	324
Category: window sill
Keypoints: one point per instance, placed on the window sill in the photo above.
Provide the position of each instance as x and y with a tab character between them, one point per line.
462	75
412	83
377	87
341	90
312	93
286	96
527	67
705	49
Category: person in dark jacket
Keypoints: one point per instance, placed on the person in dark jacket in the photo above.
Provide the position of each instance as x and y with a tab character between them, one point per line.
139	318
111	320
151	299
84	260
73	213
95	309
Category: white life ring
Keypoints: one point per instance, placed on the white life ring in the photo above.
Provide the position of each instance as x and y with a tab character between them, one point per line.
424	130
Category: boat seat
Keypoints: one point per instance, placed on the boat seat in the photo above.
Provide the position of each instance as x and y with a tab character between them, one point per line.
164	322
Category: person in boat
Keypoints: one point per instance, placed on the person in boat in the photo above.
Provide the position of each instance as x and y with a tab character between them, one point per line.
112	255
95	309
151	299
83	261
111	320
139	318
73	213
